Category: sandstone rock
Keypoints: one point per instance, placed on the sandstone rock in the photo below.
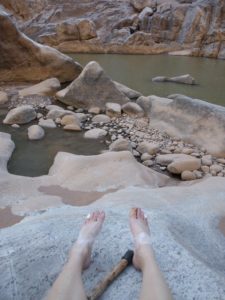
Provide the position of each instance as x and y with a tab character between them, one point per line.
146	156
71	122
58	113
47	87
3	98
146	147
207	160
20	115
49	123
72	127
94	110
188	175
113	109
139	5
192	120
101	119
145	103
95	133
215	169
186	79
133	109
87	29
129	93
35	132
92	88
148	163
38	62
120	145
180	165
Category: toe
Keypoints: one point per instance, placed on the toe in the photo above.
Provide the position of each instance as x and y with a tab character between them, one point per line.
133	213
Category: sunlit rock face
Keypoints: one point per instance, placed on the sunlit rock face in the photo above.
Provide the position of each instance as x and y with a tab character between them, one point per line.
125	26
25	60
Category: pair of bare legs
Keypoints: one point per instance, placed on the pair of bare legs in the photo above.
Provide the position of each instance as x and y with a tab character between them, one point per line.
69	285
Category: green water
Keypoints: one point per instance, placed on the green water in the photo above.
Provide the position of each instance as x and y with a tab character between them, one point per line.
136	71
34	158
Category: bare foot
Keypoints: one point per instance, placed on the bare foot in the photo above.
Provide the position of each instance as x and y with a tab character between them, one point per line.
141	235
89	231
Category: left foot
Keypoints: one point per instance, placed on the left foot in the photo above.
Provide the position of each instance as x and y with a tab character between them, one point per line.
89	231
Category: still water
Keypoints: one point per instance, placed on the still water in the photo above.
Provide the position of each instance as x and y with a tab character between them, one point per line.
137	71
34	158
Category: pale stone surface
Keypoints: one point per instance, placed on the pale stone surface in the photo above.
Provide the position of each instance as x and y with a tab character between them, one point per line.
139	5
192	120
146	147
120	145
3	98
166	159
20	115
146	156
188	175
133	109
185	79
70	119
180	165
35	132
131	94
185	237
54	107
58	113
95	133
47	87
145	103
94	110
113	109
92	88
49	123
101	119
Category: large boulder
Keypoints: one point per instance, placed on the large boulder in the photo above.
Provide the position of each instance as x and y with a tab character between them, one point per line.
25	60
47	87
20	115
139	5
192	120
92	88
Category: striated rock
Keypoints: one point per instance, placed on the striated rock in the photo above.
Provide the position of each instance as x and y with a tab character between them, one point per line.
3	98
92	88
87	29
129	93
146	147
188	175
120	145
28	60
187	164
20	115
35	132
192	120
101	119
139	5
95	133
47	87
113	109
49	123
133	109
186	79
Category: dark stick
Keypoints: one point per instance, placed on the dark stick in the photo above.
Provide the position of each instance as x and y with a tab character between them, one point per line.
116	271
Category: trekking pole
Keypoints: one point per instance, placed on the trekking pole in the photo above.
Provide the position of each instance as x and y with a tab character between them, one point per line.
125	261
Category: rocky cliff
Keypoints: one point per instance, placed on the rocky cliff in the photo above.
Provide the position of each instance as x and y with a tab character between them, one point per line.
129	26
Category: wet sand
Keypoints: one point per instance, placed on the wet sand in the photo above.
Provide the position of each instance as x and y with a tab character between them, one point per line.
7	218
75	198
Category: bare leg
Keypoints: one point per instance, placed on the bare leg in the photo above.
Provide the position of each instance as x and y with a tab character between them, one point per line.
69	285
154	286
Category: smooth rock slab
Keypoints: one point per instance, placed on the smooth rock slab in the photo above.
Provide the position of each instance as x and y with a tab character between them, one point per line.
47	87
20	115
95	133
35	132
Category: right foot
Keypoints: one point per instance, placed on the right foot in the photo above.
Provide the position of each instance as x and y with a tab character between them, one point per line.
89	231
141	235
